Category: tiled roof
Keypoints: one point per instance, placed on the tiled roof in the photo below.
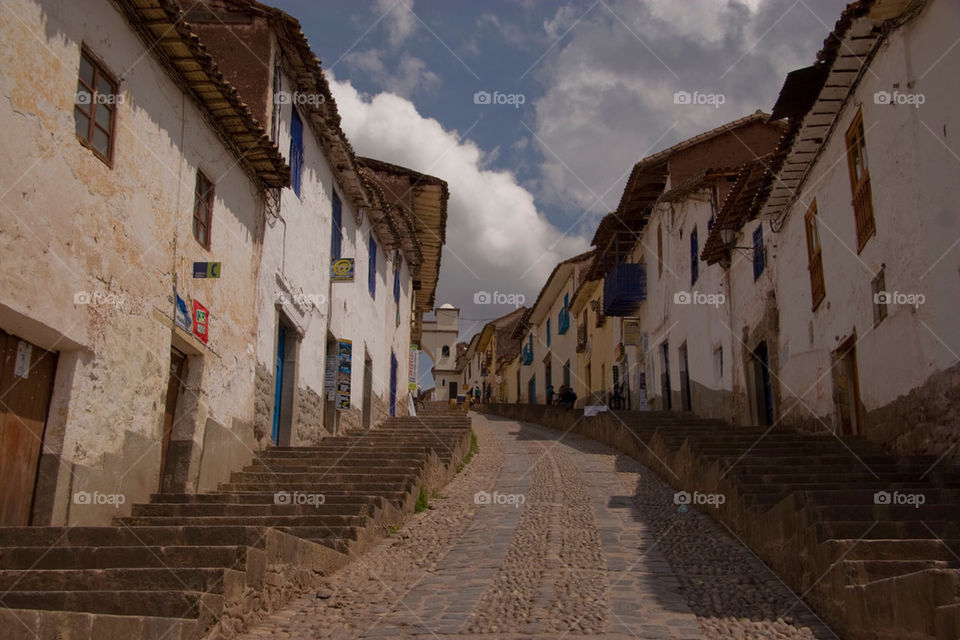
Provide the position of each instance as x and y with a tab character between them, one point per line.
161	24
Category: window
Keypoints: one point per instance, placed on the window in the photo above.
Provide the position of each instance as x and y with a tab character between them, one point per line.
718	363
336	237
95	107
694	257
445	350
814	256
202	210
880	297
659	250
372	268
759	258
860	181
296	152
396	280
548	332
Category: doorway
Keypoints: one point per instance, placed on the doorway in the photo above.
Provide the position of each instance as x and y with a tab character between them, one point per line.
178	363
330	384
532	389
665	376
285	384
686	403
453	391
847	388
367	390
762	388
278	382
26	384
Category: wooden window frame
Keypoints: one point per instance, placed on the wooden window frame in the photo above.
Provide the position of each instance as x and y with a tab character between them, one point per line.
818	283
99	70
203	200
862	202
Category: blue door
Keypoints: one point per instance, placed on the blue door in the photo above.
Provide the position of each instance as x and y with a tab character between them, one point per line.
278	391
393	384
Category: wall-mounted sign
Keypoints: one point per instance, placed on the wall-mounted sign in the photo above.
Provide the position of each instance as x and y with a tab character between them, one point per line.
201	320
344	370
412	369
206	269
341	270
631	332
181	315
21	366
330	376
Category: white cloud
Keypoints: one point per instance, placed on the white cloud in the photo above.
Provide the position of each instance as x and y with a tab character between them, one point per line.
609	84
409	76
398	18
497	240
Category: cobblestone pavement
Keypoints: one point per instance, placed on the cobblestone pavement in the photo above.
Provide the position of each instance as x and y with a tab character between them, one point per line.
543	536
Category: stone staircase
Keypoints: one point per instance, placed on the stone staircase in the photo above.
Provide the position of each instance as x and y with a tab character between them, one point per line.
203	566
822	511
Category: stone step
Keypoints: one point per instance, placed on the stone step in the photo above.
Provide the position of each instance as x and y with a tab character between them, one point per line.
909	529
36	624
366	488
263	497
242	510
166	604
320	479
346	527
883	512
181	535
885	549
123	579
77	557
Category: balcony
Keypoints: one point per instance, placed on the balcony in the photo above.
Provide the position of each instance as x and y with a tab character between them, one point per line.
563	322
526	355
624	288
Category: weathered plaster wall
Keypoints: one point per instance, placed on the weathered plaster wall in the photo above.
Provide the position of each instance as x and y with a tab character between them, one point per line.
903	358
123	235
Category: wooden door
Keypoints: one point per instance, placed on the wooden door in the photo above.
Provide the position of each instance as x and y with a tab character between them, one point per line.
26	384
846	389
177	362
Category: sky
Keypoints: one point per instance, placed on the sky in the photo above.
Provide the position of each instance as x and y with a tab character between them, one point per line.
535	112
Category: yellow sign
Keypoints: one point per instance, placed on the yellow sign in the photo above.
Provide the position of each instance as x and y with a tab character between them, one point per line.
342	270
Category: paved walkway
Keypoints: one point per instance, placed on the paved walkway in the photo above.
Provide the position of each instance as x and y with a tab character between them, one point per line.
567	539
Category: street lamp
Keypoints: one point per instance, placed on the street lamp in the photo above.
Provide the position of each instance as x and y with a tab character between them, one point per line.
729	236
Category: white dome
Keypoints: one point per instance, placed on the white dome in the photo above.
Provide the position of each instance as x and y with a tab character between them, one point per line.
447	305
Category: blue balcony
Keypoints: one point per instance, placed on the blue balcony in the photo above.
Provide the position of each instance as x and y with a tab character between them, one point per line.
563	322
624	288
526	355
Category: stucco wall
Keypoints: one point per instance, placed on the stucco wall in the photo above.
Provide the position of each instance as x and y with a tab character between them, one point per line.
122	234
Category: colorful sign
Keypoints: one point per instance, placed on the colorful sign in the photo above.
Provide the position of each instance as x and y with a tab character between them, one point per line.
201	327
342	270
206	269
181	316
412	369
344	370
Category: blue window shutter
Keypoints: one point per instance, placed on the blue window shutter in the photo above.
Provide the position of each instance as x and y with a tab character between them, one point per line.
548	332
396	282
694	257
372	268
336	234
296	152
759	261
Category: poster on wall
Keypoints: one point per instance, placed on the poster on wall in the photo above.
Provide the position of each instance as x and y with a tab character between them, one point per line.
201	327
181	316
344	370
412	368
330	375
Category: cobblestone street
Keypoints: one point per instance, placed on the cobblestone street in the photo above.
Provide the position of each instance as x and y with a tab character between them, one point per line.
575	539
